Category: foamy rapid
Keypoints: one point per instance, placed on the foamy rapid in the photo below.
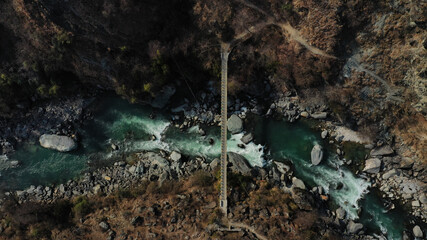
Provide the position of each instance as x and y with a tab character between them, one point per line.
328	177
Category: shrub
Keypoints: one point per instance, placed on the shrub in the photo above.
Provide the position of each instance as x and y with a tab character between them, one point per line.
61	211
42	90
123	193
167	187
216	216
54	89
201	179
39	231
82	207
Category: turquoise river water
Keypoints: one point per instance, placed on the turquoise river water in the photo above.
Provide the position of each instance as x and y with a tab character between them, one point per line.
131	128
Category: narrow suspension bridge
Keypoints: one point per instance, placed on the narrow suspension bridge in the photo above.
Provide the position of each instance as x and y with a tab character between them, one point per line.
225	51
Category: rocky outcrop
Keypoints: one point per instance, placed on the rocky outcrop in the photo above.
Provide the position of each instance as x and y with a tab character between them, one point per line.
235	124
298	183
319	115
372	165
316	154
382	151
175	156
57	142
239	163
354	228
247	138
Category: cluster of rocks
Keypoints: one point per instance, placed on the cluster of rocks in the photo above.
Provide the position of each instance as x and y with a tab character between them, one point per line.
55	117
398	178
6	163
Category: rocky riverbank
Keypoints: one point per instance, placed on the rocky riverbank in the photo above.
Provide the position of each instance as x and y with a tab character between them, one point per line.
57	116
186	114
163	167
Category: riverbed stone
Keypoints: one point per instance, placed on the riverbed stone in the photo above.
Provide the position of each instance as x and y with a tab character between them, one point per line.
406	163
215	163
175	156
393	172
155	159
372	165
247	138
354	228
340	213
423	198
324	134
304	114
57	142
382	151
281	167
239	163
417	232
298	183
319	115
415	203
316	154
235	124
104	226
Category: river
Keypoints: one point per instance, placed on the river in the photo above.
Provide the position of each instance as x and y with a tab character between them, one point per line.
130	127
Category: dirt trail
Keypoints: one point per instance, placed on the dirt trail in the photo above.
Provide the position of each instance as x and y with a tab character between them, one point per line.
286	27
248	228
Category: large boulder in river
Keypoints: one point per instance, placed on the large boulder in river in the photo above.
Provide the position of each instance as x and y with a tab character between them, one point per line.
247	138
372	165
235	124
239	163
175	156
418	233
57	142
316	154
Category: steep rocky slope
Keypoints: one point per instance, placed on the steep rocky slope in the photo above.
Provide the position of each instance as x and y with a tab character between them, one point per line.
359	55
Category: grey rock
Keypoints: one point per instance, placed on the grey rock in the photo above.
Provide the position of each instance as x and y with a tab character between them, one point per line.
372	165
423	198
104	226
354	228
324	134
114	147
298	183
155	159
247	138
417	232
281	167
316	154
304	114
319	115
415	203
239	163
214	163
393	172
14	164
235	124
340	213
406	163
175	156
57	142
382	151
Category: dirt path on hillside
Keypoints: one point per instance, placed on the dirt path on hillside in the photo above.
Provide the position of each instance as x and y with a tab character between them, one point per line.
285	27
